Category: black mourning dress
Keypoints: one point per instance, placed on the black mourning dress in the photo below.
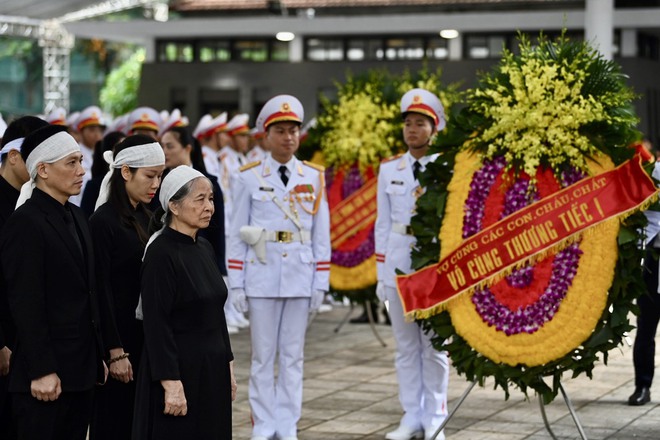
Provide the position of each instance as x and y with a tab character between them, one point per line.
8	198
186	339
118	251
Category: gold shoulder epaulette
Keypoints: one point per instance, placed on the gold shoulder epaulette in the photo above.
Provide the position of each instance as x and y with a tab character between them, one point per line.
317	167
391	158
249	165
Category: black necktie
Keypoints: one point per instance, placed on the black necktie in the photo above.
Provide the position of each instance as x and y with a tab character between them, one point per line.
283	176
417	167
71	225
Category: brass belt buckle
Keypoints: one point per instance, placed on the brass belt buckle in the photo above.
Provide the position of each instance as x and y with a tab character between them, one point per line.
284	236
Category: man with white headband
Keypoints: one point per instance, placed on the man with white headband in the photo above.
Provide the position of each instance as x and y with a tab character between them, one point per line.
13	174
186	384
47	262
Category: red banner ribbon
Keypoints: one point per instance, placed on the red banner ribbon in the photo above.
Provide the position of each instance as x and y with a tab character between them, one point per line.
525	233
355	213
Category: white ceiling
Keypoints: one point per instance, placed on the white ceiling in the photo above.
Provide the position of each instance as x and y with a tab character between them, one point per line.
41	9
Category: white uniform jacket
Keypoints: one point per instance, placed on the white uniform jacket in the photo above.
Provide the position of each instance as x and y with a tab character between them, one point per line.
294	268
398	191
230	162
256	154
211	161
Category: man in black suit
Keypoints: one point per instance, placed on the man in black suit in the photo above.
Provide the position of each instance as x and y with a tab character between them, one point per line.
47	262
647	325
13	174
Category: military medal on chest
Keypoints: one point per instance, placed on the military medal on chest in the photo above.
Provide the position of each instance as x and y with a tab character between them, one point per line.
303	195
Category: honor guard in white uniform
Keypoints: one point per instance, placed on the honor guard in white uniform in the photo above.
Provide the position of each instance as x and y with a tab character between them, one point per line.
90	126
279	262
257	152
174	119
57	116
205	133
118	124
146	121
422	371
231	159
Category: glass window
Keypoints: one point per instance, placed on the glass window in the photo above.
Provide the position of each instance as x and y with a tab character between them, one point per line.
648	46
210	51
496	43
437	48
404	48
477	46
175	51
279	51
321	49
251	50
358	49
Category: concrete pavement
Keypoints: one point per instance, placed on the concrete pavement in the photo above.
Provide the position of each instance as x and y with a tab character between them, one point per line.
350	393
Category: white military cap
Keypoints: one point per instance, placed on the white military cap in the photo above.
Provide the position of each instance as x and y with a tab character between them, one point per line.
89	117
57	116
256	133
280	108
425	103
238	125
118	124
72	119
144	118
209	125
173	119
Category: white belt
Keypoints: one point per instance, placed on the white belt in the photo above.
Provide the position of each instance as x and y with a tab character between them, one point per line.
288	236
402	229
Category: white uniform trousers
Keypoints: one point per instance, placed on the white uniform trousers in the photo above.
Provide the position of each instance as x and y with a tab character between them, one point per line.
277	326
422	371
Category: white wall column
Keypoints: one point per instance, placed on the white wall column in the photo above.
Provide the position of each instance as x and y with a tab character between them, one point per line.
455	46
150	50
599	25
296	49
628	43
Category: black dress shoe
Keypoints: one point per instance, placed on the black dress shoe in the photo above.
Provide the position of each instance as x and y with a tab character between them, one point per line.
641	396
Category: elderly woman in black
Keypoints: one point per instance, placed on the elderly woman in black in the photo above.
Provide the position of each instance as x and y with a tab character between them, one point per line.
186	382
119	231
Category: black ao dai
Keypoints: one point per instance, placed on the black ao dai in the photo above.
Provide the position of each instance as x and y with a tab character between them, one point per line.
186	339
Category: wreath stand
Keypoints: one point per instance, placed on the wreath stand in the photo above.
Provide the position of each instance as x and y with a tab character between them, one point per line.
370	316
569	404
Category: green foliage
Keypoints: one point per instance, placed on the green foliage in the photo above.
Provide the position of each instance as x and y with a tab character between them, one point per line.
119	95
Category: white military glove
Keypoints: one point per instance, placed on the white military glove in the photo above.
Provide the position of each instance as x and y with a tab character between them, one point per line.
316	300
380	291
239	299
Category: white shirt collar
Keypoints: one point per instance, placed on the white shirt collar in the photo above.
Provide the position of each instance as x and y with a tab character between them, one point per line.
275	165
422	161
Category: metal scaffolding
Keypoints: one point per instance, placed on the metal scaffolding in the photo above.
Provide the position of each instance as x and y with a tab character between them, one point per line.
56	43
